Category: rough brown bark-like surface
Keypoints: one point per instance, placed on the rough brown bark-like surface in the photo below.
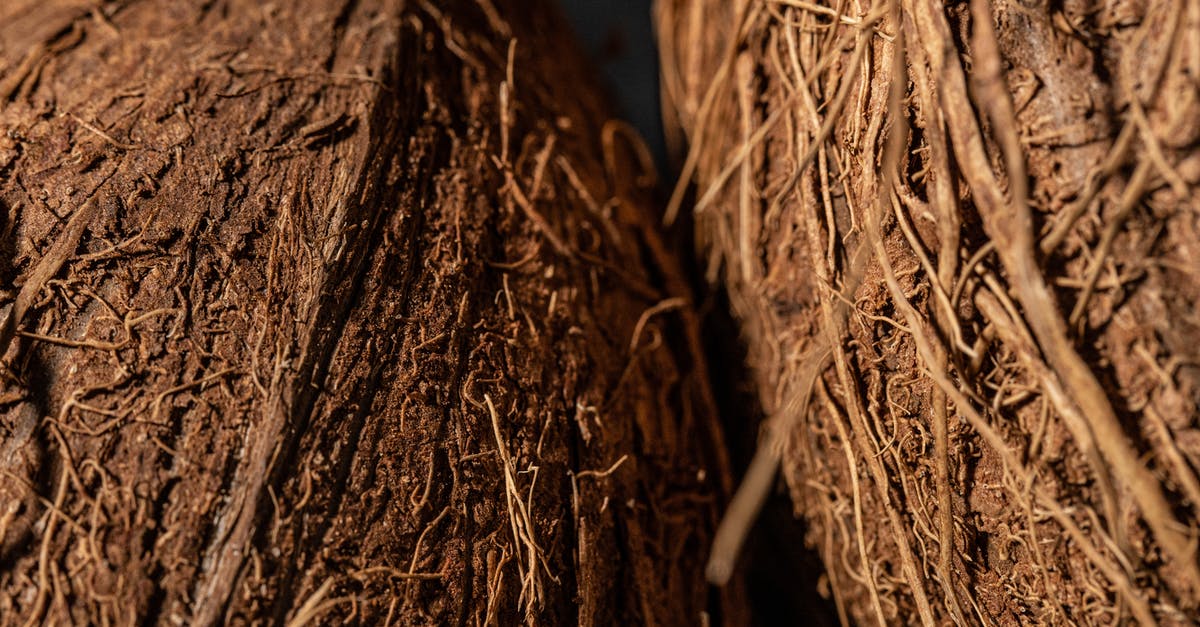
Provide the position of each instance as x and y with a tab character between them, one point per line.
336	310
961	239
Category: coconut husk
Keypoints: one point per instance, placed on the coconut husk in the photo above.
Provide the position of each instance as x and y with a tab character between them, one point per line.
318	312
961	243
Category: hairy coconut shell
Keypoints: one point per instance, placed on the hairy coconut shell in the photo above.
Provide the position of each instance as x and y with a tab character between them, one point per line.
324	311
961	240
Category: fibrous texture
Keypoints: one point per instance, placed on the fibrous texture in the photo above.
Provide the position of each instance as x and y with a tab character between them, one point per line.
961	239
324	311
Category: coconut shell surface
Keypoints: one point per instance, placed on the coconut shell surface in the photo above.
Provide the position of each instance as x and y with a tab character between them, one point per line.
336	311
961	241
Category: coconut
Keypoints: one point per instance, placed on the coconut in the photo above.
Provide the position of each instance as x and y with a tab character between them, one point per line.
961	243
337	311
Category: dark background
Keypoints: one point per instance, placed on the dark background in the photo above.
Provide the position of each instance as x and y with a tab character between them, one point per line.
619	36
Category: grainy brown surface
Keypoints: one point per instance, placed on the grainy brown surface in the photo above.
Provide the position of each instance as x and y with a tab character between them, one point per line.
961	241
345	310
